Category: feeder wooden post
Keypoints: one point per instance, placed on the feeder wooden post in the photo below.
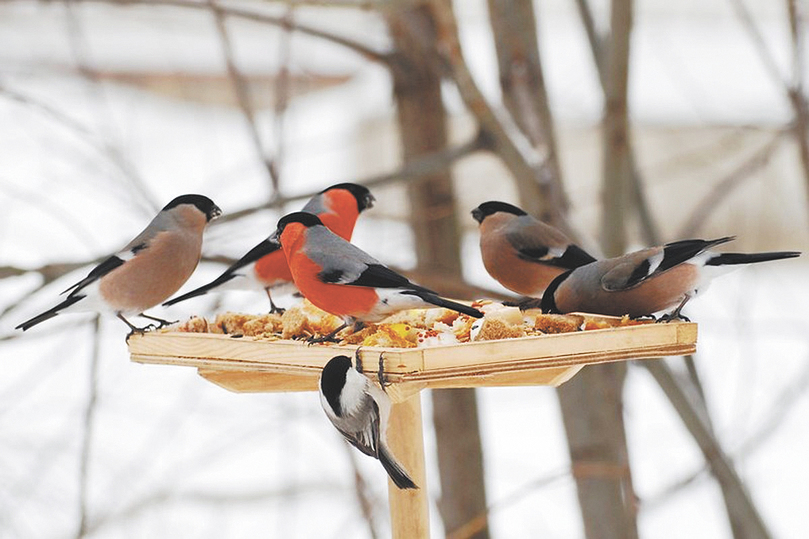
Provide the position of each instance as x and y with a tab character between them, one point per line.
409	509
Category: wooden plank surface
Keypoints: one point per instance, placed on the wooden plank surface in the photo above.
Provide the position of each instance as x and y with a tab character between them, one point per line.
249	365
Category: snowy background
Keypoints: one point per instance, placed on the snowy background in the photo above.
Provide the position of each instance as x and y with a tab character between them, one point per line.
97	131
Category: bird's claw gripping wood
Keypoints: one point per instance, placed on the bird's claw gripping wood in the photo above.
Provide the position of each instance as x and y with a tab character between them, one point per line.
380	373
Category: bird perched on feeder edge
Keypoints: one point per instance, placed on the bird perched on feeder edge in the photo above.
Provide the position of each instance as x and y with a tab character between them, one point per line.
264	267
344	280
152	267
360	410
647	281
523	253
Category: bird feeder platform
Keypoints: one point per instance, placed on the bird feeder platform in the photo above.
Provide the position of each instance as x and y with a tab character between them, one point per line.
247	364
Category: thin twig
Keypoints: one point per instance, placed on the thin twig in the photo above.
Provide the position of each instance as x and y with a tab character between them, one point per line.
242	95
239	13
87	436
725	186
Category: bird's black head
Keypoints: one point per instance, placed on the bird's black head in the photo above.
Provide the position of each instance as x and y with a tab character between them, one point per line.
364	197
202	203
494	206
548	302
332	381
302	217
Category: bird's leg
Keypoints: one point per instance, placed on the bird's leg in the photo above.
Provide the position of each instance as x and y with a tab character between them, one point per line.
357	360
525	303
162	323
133	330
274	309
675	314
327	338
380	374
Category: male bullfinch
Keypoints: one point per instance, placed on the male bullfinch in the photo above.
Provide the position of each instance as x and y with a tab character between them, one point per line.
523	253
148	270
264	267
646	281
344	280
360	410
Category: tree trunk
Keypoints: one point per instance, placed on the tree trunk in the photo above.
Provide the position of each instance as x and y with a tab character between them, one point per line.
592	402
422	121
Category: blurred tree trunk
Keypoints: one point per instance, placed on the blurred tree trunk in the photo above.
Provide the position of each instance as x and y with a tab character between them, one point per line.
525	96
422	122
591	403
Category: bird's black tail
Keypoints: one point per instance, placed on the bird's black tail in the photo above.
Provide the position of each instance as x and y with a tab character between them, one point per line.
50	313
438	301
202	290
395	471
727	259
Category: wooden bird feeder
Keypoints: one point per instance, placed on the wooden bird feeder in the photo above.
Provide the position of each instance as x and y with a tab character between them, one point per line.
254	365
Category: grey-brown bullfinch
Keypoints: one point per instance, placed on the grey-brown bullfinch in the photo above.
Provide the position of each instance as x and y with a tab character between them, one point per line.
148	270
646	281
523	253
264	267
344	280
360	410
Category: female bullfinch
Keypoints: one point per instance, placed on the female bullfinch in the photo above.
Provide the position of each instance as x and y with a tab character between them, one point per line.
148	270
646	281
523	253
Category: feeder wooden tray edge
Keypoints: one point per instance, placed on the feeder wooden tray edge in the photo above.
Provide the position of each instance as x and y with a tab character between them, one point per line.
255	365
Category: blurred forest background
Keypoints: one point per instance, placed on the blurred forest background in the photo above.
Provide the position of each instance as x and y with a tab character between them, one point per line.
627	123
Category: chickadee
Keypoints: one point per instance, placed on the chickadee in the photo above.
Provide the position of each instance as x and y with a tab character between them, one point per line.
152	267
360	410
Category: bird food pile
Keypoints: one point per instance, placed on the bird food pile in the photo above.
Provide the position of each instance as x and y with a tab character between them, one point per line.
407	329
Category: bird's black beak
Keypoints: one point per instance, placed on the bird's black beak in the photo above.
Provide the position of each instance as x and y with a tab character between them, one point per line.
214	212
477	215
368	201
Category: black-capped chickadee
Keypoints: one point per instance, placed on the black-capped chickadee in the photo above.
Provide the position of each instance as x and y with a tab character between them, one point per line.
360	410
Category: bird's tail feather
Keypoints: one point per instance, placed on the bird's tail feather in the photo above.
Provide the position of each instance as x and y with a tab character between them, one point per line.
50	313
204	289
438	301
727	259
395	471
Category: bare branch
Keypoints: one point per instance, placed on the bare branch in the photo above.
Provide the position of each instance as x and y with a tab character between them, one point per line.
244	14
743	513
414	169
243	95
725	186
516	151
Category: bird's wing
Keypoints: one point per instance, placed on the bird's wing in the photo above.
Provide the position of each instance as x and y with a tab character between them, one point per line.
633	269
96	273
537	242
366	437
256	253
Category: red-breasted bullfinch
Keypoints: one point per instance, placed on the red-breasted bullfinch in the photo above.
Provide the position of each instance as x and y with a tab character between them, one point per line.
149	269
646	281
264	267
360	410
344	280
523	253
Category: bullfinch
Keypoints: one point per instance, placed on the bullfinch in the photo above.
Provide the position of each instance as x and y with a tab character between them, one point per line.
148	270
523	253
344	280
646	281
360	410
264	267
